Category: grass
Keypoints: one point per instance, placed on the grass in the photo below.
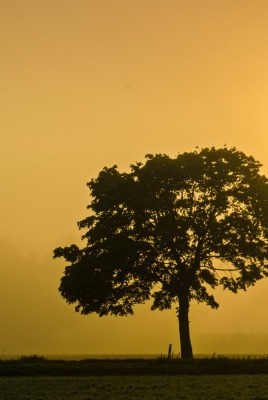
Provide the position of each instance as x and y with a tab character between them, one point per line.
221	378
221	387
39	366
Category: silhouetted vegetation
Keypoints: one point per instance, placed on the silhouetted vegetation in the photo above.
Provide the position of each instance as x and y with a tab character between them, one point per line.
169	230
32	359
162	366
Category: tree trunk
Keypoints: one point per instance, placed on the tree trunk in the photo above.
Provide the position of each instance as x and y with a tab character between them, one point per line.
183	317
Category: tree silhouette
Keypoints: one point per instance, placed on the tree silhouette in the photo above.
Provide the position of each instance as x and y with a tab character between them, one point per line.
168	230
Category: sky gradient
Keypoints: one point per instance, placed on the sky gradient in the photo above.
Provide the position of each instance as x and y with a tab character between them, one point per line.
87	84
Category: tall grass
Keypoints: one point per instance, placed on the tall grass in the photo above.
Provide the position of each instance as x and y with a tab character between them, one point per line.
38	365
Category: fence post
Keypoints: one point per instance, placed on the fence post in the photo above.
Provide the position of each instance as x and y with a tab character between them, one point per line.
169	351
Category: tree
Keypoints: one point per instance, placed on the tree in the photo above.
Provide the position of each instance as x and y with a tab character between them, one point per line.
169	230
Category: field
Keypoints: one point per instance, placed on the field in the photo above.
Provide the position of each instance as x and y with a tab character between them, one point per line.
202	387
217	378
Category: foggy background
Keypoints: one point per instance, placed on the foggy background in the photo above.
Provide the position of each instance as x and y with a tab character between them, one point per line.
87	84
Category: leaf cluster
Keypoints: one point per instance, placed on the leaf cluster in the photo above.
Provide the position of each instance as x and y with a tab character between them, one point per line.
169	226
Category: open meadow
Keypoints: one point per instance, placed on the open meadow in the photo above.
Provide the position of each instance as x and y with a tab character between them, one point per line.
220	378
220	387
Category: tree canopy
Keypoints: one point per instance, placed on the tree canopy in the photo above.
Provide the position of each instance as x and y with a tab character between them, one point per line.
169	230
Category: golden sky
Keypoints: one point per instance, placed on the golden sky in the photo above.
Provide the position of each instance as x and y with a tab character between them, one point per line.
86	84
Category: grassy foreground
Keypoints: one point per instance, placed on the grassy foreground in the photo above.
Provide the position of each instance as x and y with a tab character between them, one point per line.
220	387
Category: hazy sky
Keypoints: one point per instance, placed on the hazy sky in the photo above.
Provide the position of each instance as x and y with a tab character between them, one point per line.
91	83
